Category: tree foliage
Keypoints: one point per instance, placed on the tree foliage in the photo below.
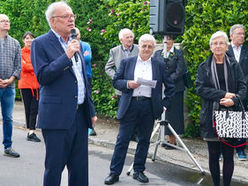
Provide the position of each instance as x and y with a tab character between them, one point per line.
203	18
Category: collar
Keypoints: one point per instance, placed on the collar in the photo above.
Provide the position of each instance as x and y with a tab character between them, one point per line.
130	49
59	37
171	50
233	46
139	59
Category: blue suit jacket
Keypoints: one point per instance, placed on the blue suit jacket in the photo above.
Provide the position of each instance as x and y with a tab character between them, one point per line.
58	84
126	72
243	60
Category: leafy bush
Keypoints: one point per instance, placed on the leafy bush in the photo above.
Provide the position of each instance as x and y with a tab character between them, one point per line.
133	14
103	93
203	18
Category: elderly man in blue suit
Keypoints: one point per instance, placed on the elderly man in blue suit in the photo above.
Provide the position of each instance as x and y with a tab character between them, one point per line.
66	109
139	106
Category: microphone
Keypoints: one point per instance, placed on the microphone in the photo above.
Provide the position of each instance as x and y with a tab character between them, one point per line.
74	36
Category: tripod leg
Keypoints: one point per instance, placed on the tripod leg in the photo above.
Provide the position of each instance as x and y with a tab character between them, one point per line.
186	149
155	151
155	130
159	140
130	169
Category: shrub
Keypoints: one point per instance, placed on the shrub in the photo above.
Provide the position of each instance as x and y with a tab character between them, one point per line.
203	18
103	93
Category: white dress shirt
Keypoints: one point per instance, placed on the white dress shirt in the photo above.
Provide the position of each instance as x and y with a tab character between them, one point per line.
77	68
236	51
143	69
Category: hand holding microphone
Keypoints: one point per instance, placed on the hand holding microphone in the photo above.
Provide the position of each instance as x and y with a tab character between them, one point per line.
73	46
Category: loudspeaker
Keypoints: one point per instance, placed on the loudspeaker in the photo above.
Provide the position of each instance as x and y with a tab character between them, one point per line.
167	17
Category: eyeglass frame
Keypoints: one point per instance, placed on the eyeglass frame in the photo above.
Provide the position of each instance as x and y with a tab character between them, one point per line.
219	43
66	16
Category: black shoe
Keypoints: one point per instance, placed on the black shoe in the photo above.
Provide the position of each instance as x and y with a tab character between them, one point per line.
141	177
167	147
93	132
11	153
111	179
33	137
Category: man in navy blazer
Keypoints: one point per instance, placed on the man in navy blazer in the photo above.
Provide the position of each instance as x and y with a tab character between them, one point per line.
139	106
66	109
239	51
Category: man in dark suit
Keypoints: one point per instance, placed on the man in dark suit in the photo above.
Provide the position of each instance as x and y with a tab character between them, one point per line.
65	108
116	54
139	106
240	52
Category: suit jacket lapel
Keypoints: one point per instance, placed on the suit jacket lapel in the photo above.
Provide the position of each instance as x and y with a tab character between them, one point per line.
55	42
133	64
242	54
153	69
230	50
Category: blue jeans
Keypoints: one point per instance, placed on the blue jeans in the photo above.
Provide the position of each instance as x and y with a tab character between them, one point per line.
7	99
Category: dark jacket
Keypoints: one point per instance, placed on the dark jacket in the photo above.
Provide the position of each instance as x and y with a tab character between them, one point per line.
58	84
175	66
243	60
206	90
126	72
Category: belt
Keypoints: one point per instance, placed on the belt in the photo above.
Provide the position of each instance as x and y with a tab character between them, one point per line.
140	98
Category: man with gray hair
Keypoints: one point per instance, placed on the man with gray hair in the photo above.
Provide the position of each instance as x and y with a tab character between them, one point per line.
63	87
116	54
140	104
10	69
240	53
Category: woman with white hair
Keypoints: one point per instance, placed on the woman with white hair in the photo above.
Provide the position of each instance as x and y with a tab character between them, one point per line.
220	80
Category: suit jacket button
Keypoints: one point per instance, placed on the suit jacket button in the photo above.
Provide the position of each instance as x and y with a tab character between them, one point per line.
75	97
75	81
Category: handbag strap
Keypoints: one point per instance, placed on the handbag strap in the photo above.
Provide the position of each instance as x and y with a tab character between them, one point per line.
240	102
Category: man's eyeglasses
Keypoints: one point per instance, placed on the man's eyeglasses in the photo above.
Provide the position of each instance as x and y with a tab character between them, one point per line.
5	21
239	33
67	16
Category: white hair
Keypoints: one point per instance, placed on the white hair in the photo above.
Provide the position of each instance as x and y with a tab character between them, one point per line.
219	34
147	37
51	9
234	27
125	31
4	15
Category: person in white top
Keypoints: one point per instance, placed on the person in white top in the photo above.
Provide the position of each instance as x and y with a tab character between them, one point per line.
139	106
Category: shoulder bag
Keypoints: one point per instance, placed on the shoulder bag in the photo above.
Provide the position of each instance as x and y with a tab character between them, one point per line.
231	124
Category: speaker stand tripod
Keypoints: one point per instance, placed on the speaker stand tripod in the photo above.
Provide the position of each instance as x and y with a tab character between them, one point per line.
160	127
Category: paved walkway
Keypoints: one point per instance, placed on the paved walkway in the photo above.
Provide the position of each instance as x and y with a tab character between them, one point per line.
106	136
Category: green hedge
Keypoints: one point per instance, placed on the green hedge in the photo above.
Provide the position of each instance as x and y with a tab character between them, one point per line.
203	18
100	21
103	93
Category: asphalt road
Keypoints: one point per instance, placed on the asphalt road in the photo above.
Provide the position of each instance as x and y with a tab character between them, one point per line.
28	169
